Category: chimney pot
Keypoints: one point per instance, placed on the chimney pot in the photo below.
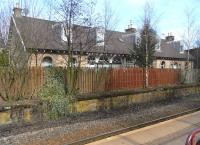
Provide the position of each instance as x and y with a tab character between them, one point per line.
130	28
170	37
17	11
17	5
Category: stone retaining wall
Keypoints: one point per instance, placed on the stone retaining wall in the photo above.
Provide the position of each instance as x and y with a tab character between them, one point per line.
140	98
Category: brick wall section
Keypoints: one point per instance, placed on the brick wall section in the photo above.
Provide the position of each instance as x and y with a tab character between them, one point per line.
58	60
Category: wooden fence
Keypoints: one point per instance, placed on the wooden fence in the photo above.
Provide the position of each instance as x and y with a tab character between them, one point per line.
24	84
99	80
163	77
125	78
92	81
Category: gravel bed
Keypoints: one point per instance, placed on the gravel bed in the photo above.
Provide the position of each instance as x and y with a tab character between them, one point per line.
86	125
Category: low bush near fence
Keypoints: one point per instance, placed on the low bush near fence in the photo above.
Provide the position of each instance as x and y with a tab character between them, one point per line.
53	94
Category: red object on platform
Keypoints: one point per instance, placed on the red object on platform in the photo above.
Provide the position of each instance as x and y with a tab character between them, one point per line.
191	138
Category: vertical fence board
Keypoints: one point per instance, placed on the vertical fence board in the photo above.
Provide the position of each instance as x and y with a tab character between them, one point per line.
100	80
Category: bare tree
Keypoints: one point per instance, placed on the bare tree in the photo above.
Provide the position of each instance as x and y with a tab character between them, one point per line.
197	46
144	49
5	15
14	77
190	32
189	38
109	22
76	22
109	18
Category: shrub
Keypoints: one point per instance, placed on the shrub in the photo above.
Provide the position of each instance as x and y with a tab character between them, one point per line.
53	93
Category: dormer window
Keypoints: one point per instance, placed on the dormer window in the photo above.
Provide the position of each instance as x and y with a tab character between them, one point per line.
158	45
137	37
57	30
100	36
182	47
65	33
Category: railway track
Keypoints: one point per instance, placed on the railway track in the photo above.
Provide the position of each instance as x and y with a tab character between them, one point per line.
131	128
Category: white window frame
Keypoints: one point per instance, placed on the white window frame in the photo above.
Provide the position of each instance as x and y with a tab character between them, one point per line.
182	44
158	45
100	36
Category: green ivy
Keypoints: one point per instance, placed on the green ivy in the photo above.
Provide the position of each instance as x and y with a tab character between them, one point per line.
53	93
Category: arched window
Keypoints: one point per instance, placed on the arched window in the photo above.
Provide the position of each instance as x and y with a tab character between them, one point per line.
162	65
172	66
91	60
175	65
117	60
47	62
103	59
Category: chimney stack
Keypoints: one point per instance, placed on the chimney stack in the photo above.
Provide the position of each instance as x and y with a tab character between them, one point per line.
169	37
17	11
130	28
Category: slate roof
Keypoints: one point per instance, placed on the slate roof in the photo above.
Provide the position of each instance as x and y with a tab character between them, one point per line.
38	33
44	34
114	45
171	49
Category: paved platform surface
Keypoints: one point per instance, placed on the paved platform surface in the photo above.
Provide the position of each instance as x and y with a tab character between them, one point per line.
172	132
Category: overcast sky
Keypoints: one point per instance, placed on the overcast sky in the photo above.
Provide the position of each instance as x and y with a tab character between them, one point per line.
170	12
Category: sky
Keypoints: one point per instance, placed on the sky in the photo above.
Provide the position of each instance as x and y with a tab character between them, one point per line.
169	13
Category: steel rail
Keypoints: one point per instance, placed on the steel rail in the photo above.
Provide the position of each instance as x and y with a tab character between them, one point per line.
131	128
